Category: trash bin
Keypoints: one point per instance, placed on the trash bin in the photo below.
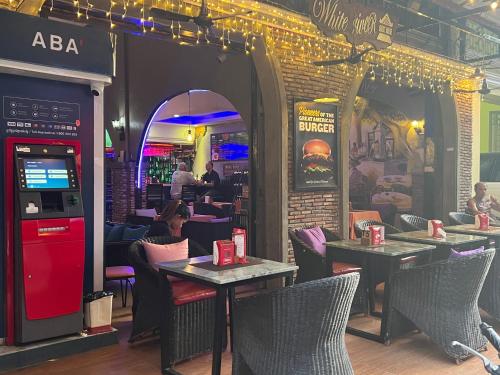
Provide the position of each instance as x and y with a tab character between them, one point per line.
98	307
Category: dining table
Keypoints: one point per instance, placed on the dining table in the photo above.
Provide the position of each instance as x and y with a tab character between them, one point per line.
390	254
489	300
455	241
223	279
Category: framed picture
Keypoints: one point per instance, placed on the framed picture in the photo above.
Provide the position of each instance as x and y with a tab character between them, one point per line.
315	143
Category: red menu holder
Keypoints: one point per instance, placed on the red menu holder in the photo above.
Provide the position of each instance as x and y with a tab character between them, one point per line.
240	242
223	253
374	235
435	229
482	222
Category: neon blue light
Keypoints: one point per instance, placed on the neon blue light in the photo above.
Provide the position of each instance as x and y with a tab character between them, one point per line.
143	143
199	119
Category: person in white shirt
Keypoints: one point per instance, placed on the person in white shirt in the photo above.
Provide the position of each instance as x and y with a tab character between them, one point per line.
179	178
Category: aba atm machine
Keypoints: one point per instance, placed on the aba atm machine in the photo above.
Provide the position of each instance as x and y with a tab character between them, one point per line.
47	248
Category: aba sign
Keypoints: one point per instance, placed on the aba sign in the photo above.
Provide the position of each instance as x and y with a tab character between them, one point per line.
358	23
44	42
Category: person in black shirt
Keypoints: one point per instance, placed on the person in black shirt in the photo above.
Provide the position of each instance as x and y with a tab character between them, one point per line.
211	180
211	177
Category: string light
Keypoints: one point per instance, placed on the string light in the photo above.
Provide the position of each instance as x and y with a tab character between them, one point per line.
295	38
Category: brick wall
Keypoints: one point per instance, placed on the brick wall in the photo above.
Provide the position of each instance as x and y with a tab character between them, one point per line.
464	109
303	81
122	182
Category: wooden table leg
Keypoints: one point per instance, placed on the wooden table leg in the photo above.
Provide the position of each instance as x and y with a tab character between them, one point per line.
385	331
231	325
219	331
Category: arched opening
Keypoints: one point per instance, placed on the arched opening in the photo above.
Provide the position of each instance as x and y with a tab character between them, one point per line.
401	143
194	128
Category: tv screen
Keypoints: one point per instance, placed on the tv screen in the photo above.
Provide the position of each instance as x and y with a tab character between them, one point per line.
229	146
46	173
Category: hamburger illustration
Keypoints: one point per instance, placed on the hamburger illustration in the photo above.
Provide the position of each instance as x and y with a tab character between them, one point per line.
317	161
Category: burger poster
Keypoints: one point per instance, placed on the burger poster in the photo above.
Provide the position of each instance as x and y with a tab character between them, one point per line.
315	144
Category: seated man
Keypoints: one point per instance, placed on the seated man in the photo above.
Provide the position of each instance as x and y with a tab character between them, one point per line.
179	178
482	202
211	180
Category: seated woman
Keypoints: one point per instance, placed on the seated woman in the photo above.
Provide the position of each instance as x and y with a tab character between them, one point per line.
170	221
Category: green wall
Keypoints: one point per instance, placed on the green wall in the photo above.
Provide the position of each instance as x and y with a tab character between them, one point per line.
486	108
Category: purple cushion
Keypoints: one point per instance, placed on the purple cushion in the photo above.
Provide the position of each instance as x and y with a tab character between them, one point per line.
314	237
460	254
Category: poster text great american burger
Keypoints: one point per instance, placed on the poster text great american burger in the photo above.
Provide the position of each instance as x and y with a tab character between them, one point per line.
315	145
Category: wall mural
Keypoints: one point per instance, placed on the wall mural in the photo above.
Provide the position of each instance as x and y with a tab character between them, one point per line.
387	159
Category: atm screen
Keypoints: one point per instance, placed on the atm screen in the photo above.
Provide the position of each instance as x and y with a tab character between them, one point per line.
46	173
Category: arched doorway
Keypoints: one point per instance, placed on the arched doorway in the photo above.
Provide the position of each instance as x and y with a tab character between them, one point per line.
402	151
195	128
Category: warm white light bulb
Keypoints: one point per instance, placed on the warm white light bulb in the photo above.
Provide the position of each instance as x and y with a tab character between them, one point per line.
494	5
189	136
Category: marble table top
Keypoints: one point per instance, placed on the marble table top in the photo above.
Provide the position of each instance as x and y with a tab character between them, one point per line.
471	229
389	248
421	236
256	268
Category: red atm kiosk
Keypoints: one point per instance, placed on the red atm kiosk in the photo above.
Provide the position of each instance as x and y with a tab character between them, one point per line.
45	239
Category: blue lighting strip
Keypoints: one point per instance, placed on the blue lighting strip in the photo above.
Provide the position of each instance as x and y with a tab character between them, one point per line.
199	119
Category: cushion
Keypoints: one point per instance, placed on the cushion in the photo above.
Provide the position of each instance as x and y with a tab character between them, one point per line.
135	233
107	229
116	233
119	272
147	212
460	254
166	253
187	291
314	238
339	268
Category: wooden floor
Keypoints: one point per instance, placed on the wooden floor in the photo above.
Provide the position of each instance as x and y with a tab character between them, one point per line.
409	355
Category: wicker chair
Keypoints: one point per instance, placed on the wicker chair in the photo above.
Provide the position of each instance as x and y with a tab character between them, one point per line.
412	222
489	300
441	299
459	218
295	330
312	266
361	225
191	323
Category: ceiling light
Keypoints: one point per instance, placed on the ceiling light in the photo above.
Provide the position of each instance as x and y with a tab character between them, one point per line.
177	115
189	136
494	5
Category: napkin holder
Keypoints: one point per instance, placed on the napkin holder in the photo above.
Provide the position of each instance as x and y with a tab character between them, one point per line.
435	229
223	252
374	235
240	245
482	222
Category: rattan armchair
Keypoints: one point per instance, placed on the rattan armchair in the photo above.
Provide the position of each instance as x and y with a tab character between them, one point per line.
312	266
412	222
296	330
361	225
191	323
441	299
459	218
